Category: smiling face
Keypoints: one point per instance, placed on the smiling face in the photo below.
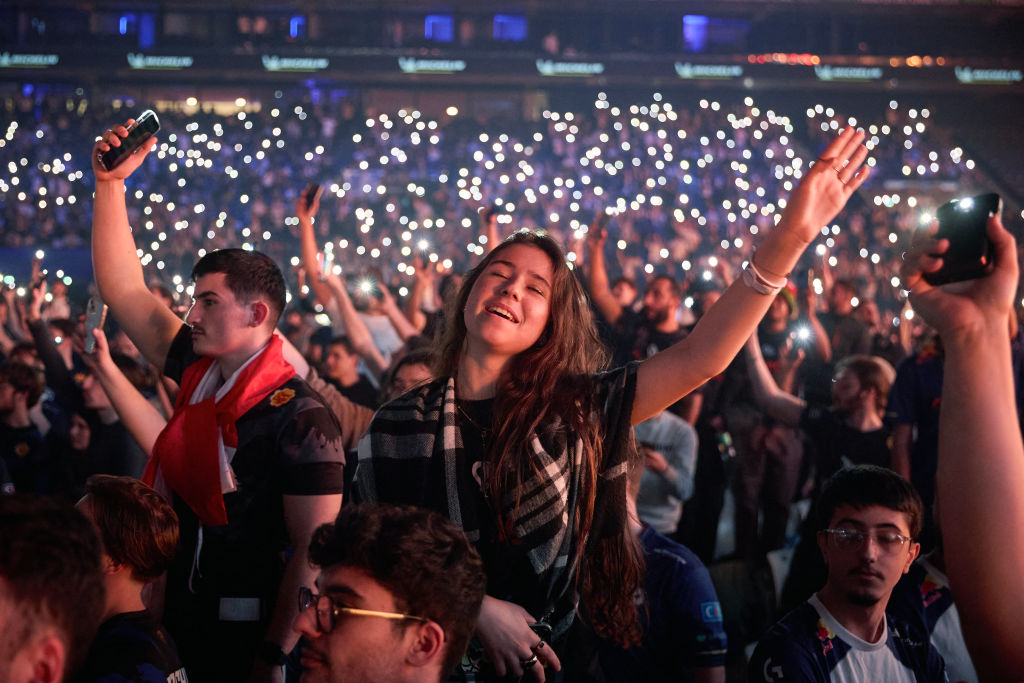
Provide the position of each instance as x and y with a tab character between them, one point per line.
865	575
508	308
220	323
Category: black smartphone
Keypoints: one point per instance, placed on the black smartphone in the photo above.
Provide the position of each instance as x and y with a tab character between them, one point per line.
963	223
143	129
311	194
95	315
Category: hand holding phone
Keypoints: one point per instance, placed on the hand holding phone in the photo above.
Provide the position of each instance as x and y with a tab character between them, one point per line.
970	254
141	130
95	316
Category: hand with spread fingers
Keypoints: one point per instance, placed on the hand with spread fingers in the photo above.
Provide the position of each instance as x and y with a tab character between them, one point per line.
828	184
113	137
963	306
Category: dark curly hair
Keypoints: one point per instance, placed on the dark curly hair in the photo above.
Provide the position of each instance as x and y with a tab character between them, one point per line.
419	556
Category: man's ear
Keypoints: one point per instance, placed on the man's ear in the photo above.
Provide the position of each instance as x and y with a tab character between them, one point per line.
427	646
47	656
259	311
915	550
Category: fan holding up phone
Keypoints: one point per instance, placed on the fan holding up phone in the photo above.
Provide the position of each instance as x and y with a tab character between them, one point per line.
963	222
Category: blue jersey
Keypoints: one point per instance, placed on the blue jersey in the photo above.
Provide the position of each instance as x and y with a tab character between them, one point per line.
923	601
808	644
681	619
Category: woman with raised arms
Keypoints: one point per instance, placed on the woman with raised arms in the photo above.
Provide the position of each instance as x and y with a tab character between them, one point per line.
525	444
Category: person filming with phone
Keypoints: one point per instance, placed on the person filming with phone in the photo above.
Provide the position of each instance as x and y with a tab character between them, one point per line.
251	454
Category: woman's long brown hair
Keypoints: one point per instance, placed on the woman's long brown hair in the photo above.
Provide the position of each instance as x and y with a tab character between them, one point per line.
552	381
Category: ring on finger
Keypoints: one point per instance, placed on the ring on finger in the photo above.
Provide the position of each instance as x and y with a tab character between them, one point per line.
538	646
527	663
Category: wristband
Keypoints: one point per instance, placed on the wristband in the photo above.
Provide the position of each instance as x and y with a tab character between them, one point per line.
271	653
758	282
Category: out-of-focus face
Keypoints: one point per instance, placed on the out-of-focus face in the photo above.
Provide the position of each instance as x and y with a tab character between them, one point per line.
409	376
624	293
220	323
864	574
339	362
840	299
779	309
660	303
93	395
6	396
845	391
79	433
359	648
508	308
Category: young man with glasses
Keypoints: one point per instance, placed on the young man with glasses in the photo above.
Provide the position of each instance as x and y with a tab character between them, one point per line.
396	600
869	519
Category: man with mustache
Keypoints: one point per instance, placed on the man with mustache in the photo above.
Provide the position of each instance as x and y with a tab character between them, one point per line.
869	518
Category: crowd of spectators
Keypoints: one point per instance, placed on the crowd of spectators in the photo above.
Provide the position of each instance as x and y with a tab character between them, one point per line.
667	192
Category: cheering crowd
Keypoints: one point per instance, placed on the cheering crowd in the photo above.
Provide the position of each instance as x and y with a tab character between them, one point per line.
558	413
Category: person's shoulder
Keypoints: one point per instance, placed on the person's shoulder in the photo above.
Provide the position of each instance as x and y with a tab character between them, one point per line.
129	646
788	650
913	648
421	405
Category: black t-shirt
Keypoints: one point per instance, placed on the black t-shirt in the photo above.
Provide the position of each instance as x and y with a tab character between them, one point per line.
132	647
288	444
24	452
362	393
838	445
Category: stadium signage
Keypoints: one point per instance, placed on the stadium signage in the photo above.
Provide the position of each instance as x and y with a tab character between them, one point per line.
966	74
24	61
825	72
411	65
688	70
166	62
275	63
546	67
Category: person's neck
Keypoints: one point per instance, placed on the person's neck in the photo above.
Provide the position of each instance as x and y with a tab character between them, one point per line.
865	622
478	377
17	417
347	378
124	594
230	362
775	326
668	325
863	419
107	415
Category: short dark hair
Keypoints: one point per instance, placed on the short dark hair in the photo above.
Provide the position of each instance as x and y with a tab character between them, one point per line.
66	327
626	280
674	287
863	485
419	556
24	378
249	275
137	526
420	356
343	341
872	372
50	573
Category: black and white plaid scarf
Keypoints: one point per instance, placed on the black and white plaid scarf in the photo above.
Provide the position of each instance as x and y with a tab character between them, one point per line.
413	454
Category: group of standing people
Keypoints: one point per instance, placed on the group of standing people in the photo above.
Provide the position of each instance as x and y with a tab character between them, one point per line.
523	439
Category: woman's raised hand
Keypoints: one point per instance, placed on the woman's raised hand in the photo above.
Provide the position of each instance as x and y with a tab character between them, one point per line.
827	185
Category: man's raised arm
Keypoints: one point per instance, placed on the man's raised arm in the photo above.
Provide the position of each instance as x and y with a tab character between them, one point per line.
148	323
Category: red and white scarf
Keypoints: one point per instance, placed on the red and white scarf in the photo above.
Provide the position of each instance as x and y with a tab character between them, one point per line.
192	455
